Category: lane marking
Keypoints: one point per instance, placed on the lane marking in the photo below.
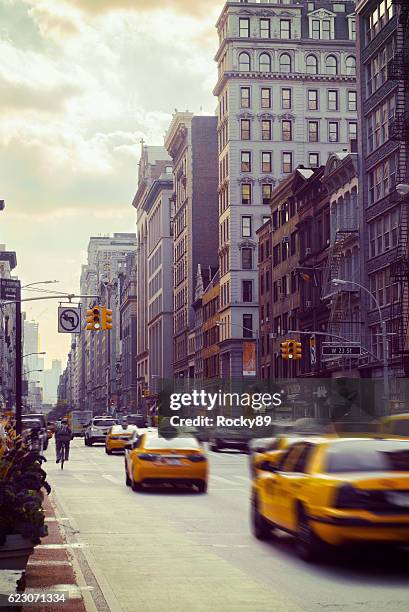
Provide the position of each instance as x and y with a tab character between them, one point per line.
81	478
224	480
112	479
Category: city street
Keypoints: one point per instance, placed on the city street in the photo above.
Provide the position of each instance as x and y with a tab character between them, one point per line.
174	550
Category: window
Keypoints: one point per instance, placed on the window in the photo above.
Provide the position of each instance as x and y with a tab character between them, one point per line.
247	326
350	64
266	192
245	100
266	129
286	98
287	162
331	65
285	62
293	243
315	29
326	29
352	29
247	258
313	160
378	18
246	194
265	30
333	131
352	130
244	62
247	291
381	179
312	64
313	131
245	129
378	123
286	130
246	226
352	101
265	63
376	68
285	28
312	99
265	97
245	161
244	27
266	161
332	101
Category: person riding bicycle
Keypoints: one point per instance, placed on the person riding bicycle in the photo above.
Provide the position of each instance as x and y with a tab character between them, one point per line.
63	436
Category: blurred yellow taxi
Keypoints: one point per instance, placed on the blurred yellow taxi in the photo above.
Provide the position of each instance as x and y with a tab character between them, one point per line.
395	426
335	491
117	437
150	459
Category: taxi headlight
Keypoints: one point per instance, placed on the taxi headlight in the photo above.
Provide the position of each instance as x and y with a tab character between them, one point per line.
350	497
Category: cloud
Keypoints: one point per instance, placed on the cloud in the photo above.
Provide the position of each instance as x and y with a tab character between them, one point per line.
189	7
18	96
55	20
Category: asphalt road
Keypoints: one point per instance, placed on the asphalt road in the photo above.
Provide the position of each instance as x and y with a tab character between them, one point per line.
179	551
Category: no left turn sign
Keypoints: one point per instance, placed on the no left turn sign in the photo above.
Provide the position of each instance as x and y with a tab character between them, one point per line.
69	320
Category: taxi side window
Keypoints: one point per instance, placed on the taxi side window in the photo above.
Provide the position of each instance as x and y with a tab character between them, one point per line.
288	459
137	442
303	458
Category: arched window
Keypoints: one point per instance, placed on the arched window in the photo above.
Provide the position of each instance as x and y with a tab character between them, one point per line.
244	62
331	64
265	62
351	65
285	62
312	64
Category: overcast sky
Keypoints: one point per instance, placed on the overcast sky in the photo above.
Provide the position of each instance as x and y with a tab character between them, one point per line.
81	82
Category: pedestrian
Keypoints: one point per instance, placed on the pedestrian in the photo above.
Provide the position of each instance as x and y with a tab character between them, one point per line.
63	436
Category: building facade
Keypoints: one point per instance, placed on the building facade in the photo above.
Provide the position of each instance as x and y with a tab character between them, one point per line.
192	144
127	385
382	35
8	261
287	97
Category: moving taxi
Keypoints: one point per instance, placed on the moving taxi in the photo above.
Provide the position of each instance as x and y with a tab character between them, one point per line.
335	491
150	459
395	426
117	437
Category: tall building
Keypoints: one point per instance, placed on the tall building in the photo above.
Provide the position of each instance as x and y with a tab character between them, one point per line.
95	355
49	382
154	162
31	348
383	65
192	144
8	261
286	97
127	385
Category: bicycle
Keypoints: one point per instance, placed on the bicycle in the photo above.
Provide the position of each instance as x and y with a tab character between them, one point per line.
62	456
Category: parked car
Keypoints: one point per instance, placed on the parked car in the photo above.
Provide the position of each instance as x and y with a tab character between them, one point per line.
38	423
335	491
229	437
97	429
150	459
137	419
395	426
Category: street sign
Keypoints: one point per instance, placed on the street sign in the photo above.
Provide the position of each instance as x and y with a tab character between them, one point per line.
340	350
69	320
9	289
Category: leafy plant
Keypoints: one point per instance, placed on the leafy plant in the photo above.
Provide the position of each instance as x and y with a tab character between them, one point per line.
22	480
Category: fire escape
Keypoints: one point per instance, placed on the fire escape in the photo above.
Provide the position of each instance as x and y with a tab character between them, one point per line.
398	70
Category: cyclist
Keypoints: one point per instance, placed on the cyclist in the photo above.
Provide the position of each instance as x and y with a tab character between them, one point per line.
63	436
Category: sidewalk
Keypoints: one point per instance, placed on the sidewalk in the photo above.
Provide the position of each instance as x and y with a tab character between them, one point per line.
52	568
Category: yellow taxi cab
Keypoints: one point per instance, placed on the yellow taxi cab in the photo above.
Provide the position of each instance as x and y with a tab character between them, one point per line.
117	437
395	426
151	459
335	491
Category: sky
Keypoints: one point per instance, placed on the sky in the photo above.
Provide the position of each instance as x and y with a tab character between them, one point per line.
81	83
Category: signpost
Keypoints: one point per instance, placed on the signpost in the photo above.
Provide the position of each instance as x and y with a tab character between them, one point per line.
69	319
9	289
345	350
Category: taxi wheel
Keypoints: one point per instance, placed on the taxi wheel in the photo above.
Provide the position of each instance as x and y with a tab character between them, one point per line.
127	479
136	486
309	545
202	487
261	529
108	452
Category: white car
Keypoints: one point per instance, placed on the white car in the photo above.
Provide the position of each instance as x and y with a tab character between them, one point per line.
97	429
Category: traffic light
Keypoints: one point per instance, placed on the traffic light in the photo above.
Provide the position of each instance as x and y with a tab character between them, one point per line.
298	350
94	319
284	349
291	349
106	318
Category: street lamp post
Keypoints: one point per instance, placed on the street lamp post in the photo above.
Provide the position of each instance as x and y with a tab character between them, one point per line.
28	354
257	338
339	281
